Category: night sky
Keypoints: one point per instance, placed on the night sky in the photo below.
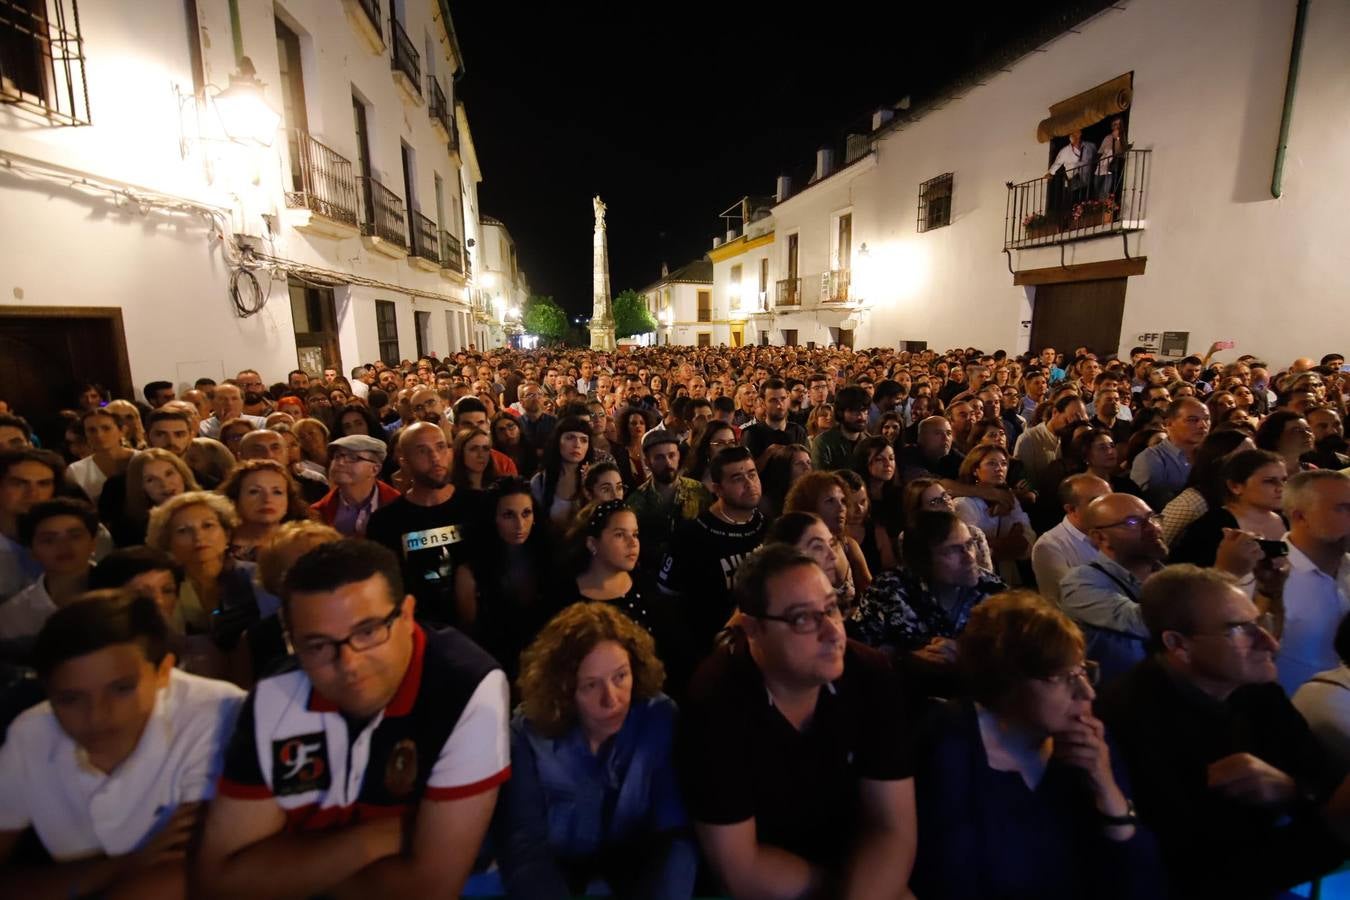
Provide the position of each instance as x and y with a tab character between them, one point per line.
673	117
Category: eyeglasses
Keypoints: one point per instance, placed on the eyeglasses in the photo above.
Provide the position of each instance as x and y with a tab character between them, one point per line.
1262	625
941	501
808	621
325	651
1136	522
1089	671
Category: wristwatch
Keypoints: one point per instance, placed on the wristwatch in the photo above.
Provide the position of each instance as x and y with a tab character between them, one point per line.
1130	818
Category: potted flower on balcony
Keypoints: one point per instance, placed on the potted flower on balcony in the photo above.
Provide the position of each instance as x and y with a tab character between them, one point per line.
1090	213
1037	224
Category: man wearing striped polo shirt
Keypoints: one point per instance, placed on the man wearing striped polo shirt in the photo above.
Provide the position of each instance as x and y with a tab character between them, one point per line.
373	768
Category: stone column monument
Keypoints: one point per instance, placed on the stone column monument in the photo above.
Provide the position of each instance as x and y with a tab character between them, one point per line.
602	313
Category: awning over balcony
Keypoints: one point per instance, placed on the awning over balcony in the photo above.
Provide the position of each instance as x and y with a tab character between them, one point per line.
1087	108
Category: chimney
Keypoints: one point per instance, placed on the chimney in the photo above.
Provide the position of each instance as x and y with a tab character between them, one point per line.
882	117
717	242
824	163
784	188
731	235
664	270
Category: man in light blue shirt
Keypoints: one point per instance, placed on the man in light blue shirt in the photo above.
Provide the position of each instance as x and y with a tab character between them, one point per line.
1162	470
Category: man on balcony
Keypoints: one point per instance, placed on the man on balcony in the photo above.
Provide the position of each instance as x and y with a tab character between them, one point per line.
1075	159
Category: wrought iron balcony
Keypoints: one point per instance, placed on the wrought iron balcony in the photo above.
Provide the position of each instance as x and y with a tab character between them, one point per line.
1079	203
372	10
322	179
452	253
789	292
381	212
424	242
839	286
404	57
436	105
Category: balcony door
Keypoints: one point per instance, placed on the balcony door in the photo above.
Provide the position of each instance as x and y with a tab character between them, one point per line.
292	97
1079	314
314	313
844	242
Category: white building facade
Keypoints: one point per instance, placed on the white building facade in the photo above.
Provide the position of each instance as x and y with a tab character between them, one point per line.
936	231
136	223
504	287
682	304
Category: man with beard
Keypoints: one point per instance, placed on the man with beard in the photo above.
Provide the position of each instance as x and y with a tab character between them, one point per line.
665	499
1329	449
426	526
705	553
833	449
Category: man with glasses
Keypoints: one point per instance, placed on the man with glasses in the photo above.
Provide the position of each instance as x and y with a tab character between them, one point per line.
794	747
1162	470
1102	596
354	463
1067	545
666	498
1243	800
372	769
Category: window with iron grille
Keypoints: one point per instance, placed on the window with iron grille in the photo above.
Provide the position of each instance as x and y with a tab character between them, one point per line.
42	60
935	202
386	331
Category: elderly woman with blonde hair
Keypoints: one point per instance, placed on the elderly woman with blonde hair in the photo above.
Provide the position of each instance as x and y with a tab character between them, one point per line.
592	805
218	597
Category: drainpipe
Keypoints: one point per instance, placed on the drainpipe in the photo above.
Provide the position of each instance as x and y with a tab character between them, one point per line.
1290	86
236	32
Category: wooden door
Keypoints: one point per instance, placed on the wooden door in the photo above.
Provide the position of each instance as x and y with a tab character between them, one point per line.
47	352
1078	314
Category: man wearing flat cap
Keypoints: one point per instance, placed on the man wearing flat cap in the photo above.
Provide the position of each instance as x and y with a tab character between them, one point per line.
354	463
666	498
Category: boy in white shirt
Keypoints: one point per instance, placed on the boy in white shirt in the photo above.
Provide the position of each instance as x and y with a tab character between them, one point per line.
111	771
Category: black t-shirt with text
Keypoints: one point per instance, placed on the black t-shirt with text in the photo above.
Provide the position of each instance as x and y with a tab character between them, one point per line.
429	542
700	565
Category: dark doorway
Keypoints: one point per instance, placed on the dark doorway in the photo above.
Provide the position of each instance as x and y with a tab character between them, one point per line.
1078	314
47	352
316	332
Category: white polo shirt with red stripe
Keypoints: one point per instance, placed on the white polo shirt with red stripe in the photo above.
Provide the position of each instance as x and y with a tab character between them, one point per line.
442	737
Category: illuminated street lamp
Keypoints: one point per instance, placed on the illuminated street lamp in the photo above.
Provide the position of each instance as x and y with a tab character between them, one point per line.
244	114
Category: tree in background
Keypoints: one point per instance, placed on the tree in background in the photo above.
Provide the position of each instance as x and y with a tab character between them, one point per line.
544	318
631	316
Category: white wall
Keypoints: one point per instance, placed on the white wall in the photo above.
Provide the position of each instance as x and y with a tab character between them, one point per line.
69	247
1225	260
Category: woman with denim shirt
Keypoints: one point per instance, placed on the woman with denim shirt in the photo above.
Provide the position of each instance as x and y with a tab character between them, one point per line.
592	805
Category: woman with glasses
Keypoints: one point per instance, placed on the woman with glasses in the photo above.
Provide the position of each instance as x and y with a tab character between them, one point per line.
592	806
507	438
916	612
928	495
1010	535
1253	485
715	437
499	589
1018	790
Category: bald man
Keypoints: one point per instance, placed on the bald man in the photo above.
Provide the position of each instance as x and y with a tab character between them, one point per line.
267	444
1302	364
1067	545
1102	596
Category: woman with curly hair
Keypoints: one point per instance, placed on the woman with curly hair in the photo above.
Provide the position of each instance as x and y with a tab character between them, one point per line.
631	424
592	806
264	495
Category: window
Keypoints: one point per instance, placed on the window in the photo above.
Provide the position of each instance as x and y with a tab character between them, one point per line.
764	283
42	61
314	318
792	256
705	306
422	326
935	202
386	331
789	337
736	287
705	339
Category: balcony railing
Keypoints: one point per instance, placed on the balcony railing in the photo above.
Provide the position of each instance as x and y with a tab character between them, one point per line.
381	212
42	61
436	105
405	57
424	243
789	292
1103	198
372	10
452	253
840	283
322	179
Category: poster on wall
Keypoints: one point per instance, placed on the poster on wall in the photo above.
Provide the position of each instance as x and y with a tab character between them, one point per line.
311	360
1150	341
1174	343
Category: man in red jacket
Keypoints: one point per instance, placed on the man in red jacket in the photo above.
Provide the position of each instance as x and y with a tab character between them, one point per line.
354	463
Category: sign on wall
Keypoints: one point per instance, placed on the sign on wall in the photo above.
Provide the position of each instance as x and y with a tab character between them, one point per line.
1152	341
1174	343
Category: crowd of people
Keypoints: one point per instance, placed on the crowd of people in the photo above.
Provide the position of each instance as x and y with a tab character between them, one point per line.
760	622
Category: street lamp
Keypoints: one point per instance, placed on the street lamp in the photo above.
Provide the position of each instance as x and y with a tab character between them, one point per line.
243	112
